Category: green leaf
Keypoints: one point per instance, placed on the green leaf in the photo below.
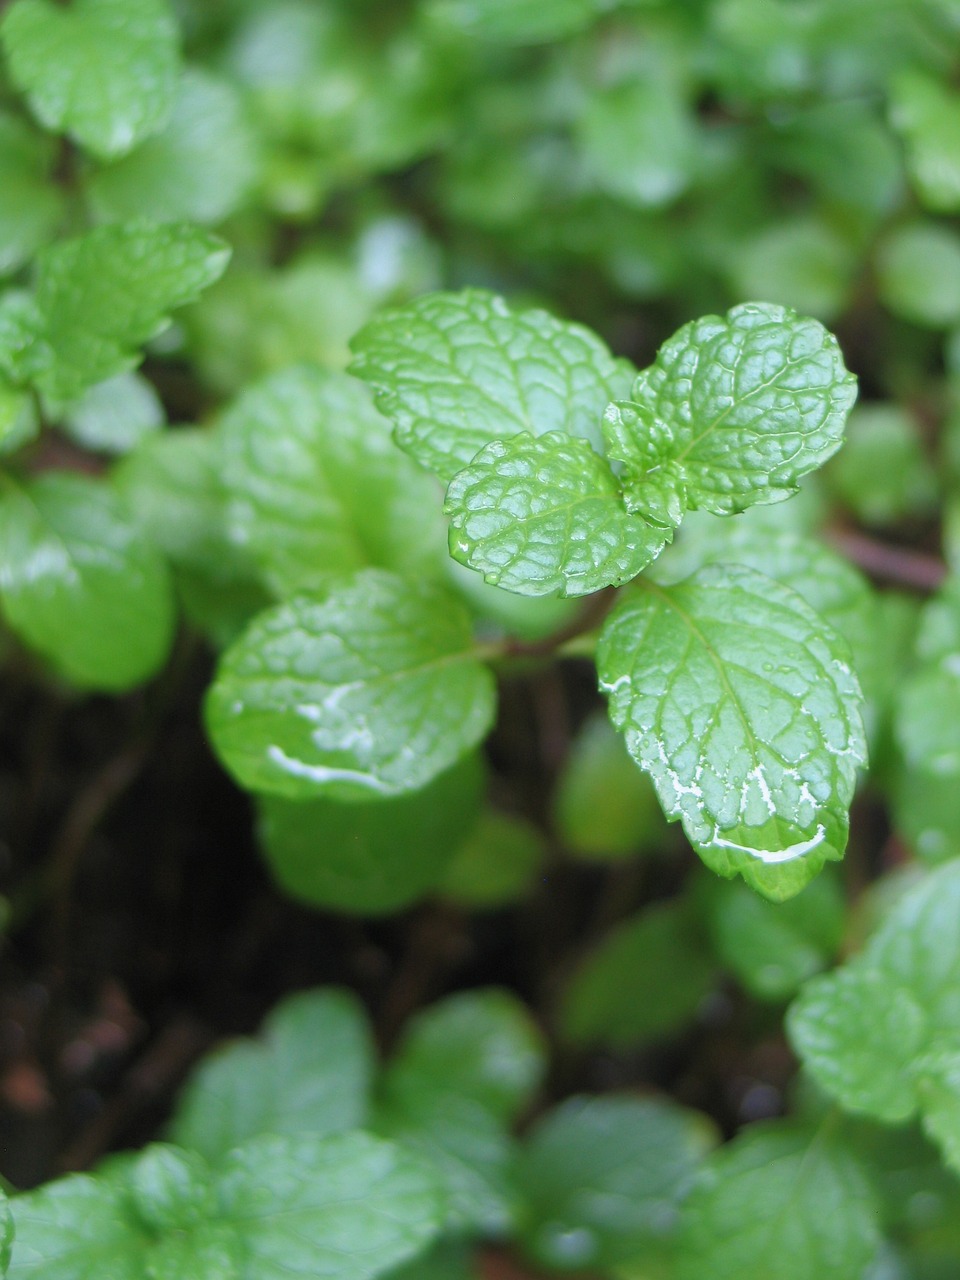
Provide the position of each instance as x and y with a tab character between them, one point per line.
779	1202
199	169
639	142
80	584
803	263
644	982
315	485
371	690
467	1147
604	807
450	1260
496	864
309	1072
171	485
18	417
31	205
77	1228
926	113
101	295
882	473
603	1179
515	21
480	1045
348	1206
370	858
927	773
734	411
114	415
738	701
880	1033
455	371
170	1189
104	71
6	1233
773	948
918	274
543	514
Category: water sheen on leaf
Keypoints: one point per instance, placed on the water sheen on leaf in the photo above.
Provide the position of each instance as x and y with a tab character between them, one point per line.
733	411
80	584
454	371
543	514
371	690
738	700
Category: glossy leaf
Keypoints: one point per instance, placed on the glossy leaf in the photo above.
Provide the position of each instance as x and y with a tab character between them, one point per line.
200	168
454	371
481	1045
603	1180
880	1033
31	205
114	415
104	71
738	700
372	690
80	584
734	411
644	982
350	1205
543	514
371	858
779	1201
309	1071
315	485
101	295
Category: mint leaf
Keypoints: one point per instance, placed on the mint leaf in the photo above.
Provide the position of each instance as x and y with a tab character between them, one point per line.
926	114
738	701
496	864
543	514
773	948
639	142
734	411
114	415
481	1045
371	690
781	1202
603	1180
880	1033
468	1149
315	486
370	858
6	1233
454	371
882	472
515	21
309	1072
31	205
918	273
199	168
102	295
77	1228
104	71
604	807
80	584
645	981
18	417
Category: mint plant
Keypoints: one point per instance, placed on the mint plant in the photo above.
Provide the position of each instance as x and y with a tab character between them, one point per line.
455	617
